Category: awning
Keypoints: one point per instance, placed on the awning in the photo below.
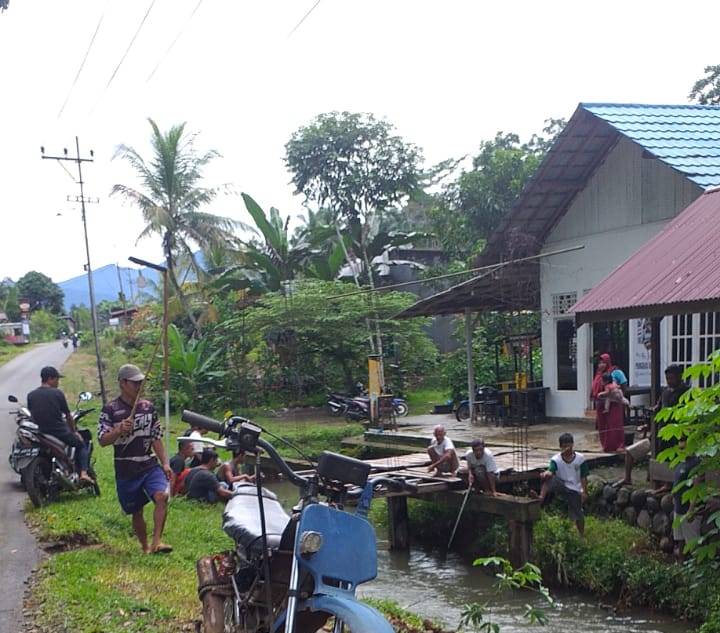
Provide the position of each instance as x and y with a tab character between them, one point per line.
676	272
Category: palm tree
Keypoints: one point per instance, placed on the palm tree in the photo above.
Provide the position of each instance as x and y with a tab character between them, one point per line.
171	199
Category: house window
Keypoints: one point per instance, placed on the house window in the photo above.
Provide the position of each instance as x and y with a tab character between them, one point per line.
709	328
562	302
681	340
566	338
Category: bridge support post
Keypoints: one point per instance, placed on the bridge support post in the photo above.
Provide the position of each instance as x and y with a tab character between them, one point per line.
398	523
521	535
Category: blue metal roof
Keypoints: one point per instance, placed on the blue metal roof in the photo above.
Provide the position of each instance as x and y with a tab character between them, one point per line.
686	137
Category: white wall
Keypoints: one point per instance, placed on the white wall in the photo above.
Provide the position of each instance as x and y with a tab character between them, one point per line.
626	202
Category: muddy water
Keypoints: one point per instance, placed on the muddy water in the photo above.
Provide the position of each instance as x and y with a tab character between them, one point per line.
437	587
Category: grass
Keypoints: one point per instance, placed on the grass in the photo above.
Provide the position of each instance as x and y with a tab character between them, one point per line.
8	351
422	400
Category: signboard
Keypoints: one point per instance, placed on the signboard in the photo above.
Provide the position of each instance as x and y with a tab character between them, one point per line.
640	338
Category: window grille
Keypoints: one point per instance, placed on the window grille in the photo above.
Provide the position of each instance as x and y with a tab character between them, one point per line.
709	341
681	343
562	302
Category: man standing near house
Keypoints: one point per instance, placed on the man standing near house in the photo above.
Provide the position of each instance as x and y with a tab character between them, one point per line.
139	477
443	458
482	470
566	477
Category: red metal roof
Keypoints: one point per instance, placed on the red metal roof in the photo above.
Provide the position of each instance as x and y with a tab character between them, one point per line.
676	272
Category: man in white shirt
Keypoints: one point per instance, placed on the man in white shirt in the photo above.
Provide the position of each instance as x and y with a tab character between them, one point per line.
482	469
443	458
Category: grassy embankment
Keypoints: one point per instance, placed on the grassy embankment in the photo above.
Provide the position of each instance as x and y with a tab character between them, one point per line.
8	352
103	583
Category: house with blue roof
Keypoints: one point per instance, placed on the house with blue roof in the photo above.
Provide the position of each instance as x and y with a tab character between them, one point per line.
612	180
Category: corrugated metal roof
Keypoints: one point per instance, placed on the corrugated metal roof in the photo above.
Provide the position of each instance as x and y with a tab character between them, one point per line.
676	272
686	137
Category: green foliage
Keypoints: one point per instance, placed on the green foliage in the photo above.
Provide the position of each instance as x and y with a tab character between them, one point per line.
40	292
45	326
695	424
9	300
526	578
391	609
706	90
469	209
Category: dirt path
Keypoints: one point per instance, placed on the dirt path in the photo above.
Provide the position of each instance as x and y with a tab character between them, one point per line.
19	549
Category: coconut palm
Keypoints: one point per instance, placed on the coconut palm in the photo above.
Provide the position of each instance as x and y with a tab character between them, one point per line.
171	199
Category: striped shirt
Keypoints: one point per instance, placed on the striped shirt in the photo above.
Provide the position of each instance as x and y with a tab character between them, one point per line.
133	452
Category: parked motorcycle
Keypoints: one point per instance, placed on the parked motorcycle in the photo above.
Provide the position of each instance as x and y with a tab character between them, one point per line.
485	396
45	464
358	408
292	573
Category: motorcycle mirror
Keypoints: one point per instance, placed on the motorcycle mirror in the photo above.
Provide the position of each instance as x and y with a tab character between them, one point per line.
12	399
85	395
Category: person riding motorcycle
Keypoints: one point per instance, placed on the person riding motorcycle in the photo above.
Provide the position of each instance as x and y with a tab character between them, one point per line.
48	407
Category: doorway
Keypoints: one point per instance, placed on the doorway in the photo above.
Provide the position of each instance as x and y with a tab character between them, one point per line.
611	337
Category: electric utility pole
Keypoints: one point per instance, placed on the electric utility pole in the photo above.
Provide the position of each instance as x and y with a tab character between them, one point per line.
78	160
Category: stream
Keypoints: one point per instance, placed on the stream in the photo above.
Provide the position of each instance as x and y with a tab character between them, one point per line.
437	585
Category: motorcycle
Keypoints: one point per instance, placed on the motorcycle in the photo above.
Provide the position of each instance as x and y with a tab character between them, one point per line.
358	408
45	464
485	396
292	574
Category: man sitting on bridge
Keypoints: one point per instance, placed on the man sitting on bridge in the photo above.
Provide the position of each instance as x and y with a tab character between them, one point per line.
443	458
482	470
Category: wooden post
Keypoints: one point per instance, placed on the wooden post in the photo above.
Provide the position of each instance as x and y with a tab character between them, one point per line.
654	373
398	523
520	545
470	366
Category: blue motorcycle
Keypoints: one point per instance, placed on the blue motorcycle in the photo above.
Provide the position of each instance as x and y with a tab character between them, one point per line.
293	574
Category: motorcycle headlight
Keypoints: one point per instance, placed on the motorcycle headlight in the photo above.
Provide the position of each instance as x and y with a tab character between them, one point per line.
310	543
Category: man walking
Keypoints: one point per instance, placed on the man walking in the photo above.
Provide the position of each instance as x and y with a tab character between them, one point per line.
50	411
139	478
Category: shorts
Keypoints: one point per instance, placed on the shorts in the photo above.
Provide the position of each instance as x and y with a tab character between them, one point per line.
133	494
571	497
639	450
687	530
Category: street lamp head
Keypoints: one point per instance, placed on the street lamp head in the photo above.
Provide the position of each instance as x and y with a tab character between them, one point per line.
65	151
92	154
42	149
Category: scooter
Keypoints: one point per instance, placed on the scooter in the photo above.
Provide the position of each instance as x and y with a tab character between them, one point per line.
45	464
292	574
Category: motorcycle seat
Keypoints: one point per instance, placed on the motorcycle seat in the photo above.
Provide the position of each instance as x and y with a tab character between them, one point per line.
241	519
51	439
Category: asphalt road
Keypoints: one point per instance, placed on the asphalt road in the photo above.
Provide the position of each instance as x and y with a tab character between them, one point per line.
19	552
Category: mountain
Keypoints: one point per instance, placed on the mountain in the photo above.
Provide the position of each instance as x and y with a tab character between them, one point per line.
107	285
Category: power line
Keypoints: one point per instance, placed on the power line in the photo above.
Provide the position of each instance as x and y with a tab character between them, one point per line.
177	37
84	59
125	54
305	17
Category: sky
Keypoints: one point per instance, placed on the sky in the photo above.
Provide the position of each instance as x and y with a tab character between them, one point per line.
447	74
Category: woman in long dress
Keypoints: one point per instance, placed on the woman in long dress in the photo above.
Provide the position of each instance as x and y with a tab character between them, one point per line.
610	424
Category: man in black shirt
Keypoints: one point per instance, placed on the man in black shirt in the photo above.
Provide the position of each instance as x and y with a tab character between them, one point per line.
50	411
201	482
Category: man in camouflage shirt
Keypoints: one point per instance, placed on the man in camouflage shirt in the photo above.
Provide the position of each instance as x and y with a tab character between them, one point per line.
138	475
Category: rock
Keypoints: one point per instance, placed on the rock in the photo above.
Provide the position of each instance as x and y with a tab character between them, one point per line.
638	499
667	545
661	524
609	493
630	515
644	520
623	497
666	503
652	505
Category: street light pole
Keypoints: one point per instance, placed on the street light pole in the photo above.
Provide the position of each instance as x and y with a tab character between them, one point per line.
166	356
91	286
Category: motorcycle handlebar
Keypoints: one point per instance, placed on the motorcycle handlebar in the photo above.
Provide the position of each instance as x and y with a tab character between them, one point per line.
204	422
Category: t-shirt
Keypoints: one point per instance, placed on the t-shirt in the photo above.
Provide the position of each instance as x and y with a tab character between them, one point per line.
177	463
487	460
445	445
571	473
133	452
48	407
199	483
669	397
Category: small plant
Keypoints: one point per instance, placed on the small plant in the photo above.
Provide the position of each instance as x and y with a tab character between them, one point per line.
477	616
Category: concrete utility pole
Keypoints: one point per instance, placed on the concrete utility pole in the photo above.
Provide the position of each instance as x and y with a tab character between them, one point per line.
78	160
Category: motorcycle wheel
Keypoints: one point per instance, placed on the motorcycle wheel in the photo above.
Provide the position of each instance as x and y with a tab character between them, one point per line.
36	479
335	411
401	409
463	413
95	486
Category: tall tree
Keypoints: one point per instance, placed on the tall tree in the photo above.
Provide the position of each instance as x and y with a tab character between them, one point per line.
706	90
171	200
9	300
40	292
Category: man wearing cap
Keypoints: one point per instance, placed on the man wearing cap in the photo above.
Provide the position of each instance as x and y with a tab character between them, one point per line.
131	425
50	411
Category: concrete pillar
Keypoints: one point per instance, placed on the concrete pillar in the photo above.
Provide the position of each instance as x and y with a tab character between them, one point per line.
520	545
398	523
470	365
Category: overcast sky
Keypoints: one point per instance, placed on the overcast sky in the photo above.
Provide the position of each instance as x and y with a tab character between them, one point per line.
447	74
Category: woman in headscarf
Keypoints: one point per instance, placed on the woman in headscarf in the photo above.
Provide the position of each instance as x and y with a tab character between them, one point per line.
610	424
